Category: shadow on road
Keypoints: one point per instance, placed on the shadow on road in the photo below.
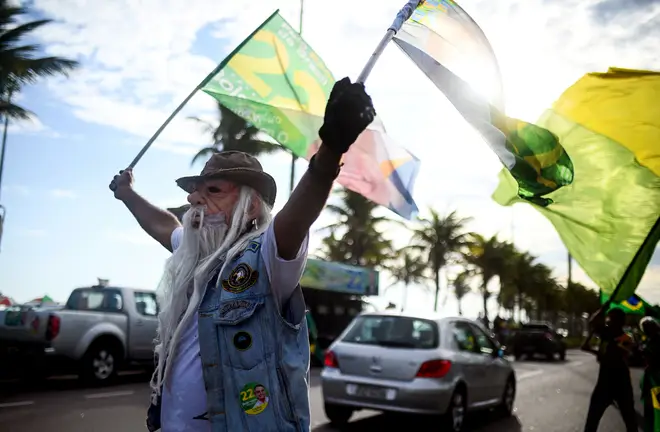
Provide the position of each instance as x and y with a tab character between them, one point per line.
481	423
64	383
13	387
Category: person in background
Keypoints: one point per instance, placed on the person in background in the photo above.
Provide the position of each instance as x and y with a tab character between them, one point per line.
650	382
614	383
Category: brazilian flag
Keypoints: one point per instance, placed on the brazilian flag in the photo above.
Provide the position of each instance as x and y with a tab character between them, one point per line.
633	305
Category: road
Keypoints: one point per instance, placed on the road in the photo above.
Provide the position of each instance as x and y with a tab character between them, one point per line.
552	397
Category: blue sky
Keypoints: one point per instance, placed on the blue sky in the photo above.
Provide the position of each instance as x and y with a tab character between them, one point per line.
64	229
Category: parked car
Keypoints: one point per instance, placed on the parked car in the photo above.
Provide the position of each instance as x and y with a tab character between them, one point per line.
538	338
399	362
99	330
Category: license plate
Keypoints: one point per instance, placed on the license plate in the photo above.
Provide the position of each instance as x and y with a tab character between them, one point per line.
13	318
371	392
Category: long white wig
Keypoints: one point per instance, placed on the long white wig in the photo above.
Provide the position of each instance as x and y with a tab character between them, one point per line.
190	267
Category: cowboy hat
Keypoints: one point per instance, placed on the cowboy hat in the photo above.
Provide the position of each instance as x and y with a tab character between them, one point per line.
237	167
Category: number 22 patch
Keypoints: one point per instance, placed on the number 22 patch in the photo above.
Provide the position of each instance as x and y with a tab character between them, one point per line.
241	278
254	398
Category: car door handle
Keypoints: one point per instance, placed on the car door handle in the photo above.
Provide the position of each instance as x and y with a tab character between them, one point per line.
139	322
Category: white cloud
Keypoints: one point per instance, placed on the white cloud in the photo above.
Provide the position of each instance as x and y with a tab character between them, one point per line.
32	126
19	190
139	65
63	194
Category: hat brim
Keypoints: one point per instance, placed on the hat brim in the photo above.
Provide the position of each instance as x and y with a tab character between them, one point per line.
260	181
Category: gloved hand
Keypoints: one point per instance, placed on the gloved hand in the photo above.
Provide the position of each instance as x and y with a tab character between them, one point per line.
348	113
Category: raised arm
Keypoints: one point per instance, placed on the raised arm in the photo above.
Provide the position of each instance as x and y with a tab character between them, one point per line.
348	113
156	222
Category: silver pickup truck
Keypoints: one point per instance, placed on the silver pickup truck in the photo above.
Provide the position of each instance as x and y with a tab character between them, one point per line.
99	330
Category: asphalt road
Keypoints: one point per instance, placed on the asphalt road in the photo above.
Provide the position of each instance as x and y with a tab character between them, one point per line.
552	397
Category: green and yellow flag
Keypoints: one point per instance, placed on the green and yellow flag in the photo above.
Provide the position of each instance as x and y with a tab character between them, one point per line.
276	82
609	216
634	305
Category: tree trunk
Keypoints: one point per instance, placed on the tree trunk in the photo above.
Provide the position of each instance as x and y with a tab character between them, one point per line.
437	290
484	294
460	309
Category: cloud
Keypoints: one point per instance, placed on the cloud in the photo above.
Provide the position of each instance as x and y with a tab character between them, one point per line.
142	58
19	190
32	126
63	194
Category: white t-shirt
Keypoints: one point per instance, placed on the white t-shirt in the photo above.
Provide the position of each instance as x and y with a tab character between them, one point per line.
183	406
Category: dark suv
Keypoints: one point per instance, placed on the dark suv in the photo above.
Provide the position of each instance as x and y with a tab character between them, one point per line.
538	338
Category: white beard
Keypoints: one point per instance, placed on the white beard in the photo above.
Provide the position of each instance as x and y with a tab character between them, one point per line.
207	240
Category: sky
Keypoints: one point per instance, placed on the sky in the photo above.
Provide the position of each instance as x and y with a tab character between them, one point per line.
140	58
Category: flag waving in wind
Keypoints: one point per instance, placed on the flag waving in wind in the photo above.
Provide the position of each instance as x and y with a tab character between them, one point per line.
276	82
451	49
609	218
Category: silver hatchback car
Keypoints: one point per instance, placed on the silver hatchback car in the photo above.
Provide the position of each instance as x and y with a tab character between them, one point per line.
400	362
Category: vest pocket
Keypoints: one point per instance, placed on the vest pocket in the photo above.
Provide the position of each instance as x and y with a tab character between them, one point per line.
287	406
240	333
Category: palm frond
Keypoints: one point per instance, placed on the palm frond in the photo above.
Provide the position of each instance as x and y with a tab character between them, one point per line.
14	112
18	32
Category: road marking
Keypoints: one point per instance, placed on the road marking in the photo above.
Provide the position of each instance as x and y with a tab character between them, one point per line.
109	394
16	404
530	374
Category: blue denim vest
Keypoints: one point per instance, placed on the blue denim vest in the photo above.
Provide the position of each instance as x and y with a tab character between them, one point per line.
250	346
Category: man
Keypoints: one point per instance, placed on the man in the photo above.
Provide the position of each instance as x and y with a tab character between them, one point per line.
260	394
651	379
614	383
232	314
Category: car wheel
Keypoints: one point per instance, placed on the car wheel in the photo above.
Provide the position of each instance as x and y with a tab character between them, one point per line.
337	414
562	355
455	416
508	398
99	365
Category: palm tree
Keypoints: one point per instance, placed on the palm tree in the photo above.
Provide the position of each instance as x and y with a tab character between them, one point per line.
439	239
20	65
232	133
517	278
19	62
486	255
462	287
361	241
410	271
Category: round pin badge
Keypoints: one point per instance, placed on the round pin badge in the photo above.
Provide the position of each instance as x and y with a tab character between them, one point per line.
242	340
254	398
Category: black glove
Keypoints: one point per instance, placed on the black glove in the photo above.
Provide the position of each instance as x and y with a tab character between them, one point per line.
347	115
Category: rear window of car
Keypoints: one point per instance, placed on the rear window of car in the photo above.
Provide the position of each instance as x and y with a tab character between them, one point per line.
393	331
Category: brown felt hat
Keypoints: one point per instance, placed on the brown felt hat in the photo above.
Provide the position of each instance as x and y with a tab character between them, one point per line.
237	167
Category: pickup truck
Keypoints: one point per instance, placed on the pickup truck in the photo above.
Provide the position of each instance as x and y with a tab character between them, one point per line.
98	331
538	338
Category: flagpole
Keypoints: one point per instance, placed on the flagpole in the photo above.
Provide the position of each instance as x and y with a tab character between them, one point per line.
404	14
205	81
570	270
294	158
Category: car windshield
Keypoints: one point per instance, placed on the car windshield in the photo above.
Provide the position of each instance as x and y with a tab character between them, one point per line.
393	331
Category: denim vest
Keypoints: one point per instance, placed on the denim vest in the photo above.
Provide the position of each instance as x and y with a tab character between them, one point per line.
250	348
